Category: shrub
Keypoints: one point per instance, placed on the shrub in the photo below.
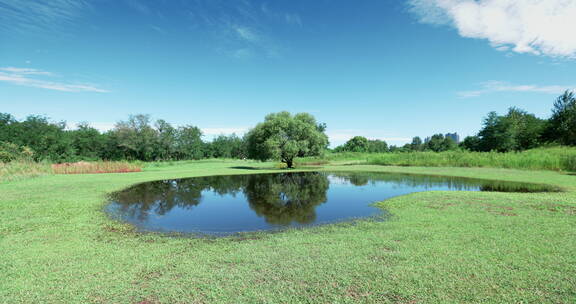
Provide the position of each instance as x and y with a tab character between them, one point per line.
11	152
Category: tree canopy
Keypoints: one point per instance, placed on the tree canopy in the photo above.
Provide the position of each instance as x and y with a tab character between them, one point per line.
283	136
562	125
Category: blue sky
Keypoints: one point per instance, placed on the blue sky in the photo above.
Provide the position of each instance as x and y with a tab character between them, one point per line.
383	69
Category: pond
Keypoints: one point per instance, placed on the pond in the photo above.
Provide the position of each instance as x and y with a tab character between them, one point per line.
225	205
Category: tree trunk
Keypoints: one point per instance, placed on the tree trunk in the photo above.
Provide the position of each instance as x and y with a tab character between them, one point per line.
290	163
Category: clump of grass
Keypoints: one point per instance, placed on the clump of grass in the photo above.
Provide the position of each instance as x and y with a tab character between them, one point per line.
96	167
557	159
17	170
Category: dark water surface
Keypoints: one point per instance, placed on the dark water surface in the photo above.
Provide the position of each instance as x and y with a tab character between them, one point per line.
224	205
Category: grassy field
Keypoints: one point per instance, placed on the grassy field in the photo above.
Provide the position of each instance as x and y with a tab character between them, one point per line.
551	158
57	246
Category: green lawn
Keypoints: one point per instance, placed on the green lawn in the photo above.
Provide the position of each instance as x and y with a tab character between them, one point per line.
57	246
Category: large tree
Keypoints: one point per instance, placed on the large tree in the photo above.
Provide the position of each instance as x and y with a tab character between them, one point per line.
283	136
439	143
224	146
562	124
189	143
515	131
136	138
88	142
356	144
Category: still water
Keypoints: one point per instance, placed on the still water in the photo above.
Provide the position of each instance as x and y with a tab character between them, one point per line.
224	205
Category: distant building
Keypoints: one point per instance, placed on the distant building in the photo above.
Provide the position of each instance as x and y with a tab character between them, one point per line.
455	137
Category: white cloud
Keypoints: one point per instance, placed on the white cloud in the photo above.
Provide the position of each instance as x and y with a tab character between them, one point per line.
500	86
30	78
542	27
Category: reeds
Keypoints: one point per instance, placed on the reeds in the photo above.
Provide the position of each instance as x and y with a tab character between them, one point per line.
17	170
95	167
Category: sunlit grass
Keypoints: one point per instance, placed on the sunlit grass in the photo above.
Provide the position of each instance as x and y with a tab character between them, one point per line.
556	159
58	246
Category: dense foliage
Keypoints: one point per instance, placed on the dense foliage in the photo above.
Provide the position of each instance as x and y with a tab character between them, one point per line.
519	130
362	144
284	137
134	139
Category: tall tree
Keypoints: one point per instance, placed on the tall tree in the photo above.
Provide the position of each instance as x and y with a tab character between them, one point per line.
88	143
471	143
227	147
416	144
166	143
136	138
284	137
377	146
189	143
356	144
515	131
562	125
494	136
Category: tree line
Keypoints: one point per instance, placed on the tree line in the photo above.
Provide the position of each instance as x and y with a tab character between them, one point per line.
517	130
281	136
137	138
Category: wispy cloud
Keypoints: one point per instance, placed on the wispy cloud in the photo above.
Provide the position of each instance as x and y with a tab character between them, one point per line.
33	78
241	29
542	27
246	33
290	18
31	15
500	86
293	19
24	71
139	6
243	42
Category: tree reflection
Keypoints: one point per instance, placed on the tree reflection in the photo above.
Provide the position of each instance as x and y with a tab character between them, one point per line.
288	197
280	198
431	181
160	197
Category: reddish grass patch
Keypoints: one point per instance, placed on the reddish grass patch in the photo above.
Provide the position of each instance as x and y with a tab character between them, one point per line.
95	167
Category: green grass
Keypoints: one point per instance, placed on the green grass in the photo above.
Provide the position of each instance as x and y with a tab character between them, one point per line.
57	246
558	159
554	158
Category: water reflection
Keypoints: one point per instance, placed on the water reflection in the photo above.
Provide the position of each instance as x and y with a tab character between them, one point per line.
285	198
227	204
